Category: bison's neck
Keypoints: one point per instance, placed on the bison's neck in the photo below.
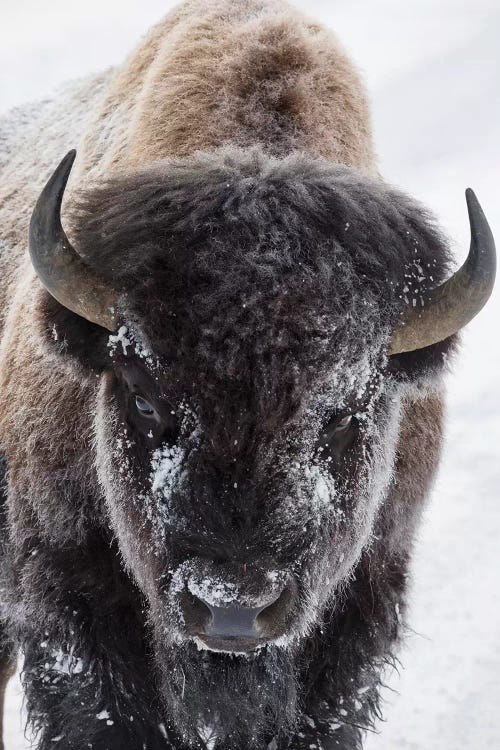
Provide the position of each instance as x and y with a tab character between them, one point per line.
252	73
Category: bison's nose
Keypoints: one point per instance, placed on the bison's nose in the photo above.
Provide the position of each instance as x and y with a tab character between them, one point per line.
235	621
240	621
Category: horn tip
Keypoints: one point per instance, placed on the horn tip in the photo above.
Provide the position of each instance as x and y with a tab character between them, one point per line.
69	158
472	200
477	218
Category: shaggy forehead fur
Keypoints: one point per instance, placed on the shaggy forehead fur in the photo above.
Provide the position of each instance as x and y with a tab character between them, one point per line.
245	265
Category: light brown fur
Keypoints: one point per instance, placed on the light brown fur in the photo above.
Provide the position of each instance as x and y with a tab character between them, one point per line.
240	73
7	669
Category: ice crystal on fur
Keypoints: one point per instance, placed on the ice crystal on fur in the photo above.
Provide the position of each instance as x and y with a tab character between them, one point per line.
216	592
166	465
126	337
66	663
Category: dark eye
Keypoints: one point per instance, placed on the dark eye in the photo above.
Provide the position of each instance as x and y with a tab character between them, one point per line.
157	422
343	425
337	425
336	436
144	407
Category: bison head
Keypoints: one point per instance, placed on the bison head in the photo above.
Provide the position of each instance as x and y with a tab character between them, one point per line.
257	326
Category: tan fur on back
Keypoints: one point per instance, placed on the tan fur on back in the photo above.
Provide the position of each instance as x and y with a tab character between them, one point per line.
242	73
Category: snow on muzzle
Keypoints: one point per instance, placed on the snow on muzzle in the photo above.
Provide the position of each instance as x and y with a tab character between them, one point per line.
233	607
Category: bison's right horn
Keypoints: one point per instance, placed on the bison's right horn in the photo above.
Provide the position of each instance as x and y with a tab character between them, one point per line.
61	270
453	304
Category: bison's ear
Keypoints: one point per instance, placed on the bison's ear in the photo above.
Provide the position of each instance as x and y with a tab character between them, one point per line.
71	336
424	364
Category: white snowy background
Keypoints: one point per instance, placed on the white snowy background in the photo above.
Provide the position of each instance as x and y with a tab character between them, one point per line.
432	68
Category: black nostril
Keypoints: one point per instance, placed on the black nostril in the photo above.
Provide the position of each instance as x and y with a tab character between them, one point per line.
195	612
275	616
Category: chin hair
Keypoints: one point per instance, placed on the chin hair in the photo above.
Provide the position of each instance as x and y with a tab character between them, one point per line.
239	700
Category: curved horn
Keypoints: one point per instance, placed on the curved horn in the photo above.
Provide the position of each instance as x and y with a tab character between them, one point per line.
60	269
452	305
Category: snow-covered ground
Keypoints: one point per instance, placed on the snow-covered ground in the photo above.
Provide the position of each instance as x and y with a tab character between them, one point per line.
432	67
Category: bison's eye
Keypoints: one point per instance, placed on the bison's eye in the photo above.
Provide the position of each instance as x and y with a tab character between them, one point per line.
157	422
144	407
337	436
337	426
343	425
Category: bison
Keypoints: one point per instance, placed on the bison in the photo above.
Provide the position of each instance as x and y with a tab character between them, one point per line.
221	392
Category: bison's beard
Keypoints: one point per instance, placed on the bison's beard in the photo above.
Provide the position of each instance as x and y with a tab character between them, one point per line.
243	701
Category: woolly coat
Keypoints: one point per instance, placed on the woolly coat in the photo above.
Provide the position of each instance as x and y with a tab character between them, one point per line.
212	74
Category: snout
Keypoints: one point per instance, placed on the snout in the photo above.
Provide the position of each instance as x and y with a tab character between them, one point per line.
232	610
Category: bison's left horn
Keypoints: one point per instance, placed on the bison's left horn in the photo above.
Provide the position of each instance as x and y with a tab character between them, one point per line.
449	307
61	270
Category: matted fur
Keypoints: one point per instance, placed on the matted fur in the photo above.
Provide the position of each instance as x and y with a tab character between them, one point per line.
251	270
